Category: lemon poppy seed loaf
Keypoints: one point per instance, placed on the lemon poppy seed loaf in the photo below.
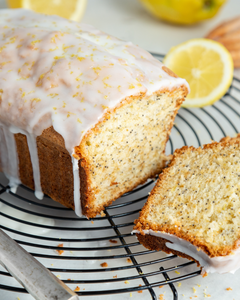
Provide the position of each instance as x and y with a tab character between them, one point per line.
194	209
84	116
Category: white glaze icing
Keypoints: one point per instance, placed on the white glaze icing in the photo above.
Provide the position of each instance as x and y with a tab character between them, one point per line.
56	72
32	146
219	264
9	159
76	184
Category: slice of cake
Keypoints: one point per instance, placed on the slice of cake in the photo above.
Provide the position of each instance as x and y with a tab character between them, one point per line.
194	209
84	117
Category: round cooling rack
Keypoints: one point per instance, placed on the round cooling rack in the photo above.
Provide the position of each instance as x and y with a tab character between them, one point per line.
100	256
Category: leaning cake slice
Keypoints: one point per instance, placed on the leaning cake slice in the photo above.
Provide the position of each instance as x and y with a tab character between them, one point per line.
194	209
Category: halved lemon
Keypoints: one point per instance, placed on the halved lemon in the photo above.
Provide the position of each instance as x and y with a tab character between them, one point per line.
206	65
69	9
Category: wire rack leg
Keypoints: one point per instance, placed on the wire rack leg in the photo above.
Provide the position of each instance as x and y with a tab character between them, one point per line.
175	293
146	282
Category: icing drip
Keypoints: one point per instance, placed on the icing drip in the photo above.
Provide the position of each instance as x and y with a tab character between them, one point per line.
9	157
32	146
220	264
76	184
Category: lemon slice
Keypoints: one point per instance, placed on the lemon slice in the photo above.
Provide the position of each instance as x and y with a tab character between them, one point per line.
206	65
70	9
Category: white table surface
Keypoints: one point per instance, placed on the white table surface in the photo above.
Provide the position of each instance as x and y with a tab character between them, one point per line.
126	19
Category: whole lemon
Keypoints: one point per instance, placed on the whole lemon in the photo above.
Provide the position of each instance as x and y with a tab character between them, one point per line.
183	11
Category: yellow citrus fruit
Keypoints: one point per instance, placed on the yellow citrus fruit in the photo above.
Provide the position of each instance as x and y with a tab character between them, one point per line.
183	11
70	9
206	65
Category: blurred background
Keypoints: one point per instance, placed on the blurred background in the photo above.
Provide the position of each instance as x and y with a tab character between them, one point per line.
137	21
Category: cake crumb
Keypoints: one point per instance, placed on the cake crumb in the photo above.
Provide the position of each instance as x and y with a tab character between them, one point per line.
115	276
160	286
92	222
130	294
194	290
75	156
199	285
77	289
129	260
60	252
126	282
179	284
102	214
113	241
229	289
140	292
69	279
104	265
207	295
52	265
58	276
177	272
18	298
161	297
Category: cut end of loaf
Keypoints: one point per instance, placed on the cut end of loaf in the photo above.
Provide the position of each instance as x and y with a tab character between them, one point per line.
127	147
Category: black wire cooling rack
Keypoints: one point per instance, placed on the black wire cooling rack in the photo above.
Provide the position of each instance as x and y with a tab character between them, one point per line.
101	256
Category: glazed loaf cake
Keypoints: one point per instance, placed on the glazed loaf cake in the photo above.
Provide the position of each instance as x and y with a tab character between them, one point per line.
84	117
194	209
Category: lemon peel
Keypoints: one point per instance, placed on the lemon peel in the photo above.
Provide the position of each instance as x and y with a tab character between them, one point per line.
183	12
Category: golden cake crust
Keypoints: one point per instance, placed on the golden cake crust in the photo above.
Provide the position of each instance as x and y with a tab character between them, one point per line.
157	243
